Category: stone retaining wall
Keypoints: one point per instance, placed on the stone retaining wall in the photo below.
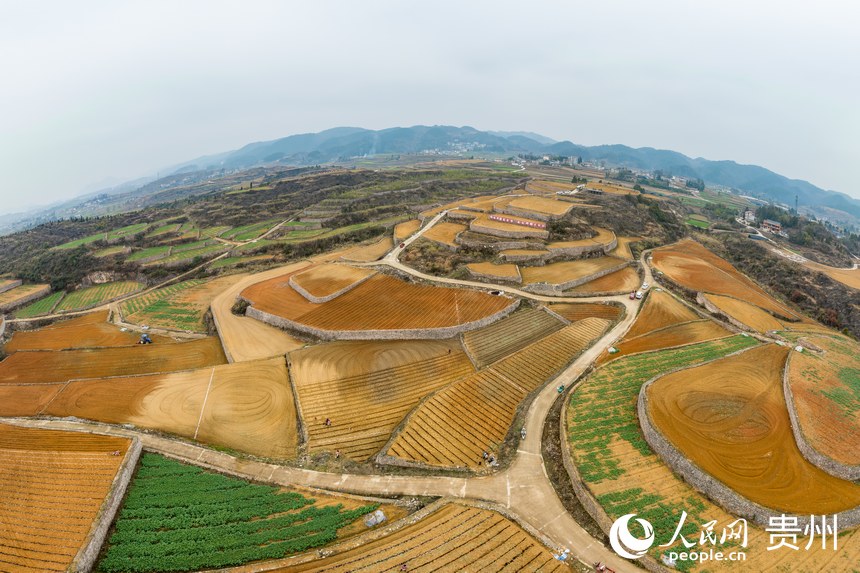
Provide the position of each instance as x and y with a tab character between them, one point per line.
89	552
526	233
321	299
492	278
10	286
399	334
706	484
499	246
583	249
558	289
520	212
813	456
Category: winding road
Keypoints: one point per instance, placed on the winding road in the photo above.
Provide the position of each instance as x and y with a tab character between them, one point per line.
523	487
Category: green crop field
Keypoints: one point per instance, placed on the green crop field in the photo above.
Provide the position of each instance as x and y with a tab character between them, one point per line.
126	231
98	294
109	251
160	252
163	308
164	230
209	232
190	254
233	261
602	415
248	232
181	518
41	306
698	223
84	241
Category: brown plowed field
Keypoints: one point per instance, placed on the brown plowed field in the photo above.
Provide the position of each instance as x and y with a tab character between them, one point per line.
485	221
730	418
684	333
54	484
88	331
456	425
369	253
324	280
494	342
365	409
379	303
660	310
258	418
624	280
611	188
452	539
825	396
600	237
578	311
541	205
26	399
694	267
745	313
406	229
60	366
444	232
557	273
501	272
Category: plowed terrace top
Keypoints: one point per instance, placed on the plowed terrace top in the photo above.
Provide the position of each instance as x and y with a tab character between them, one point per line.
379	303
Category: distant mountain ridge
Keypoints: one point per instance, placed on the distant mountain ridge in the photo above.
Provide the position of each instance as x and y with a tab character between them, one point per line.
346	143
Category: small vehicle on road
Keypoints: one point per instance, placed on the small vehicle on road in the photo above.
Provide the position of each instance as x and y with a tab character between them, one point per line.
639	295
632	295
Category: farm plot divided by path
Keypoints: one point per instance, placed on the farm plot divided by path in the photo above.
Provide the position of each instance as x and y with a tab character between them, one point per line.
246	406
365	408
660	310
18	296
745	313
729	417
454	538
88	331
456	425
444	233
684	333
620	281
181	518
54	485
379	303
369	253
405	230
618	467
325	280
578	311
559	273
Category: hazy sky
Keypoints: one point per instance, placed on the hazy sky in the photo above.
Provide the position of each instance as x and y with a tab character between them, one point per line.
100	90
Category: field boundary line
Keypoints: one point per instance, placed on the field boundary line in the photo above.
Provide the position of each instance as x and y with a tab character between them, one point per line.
203	407
54	397
511	382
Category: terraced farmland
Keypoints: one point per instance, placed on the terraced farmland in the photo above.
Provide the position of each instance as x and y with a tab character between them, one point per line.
560	273
96	295
579	311
88	331
545	186
444	232
215	405
365	409
150	254
40	307
456	425
694	267
745	313
181	256
43	367
180	518
369	253
21	295
180	306
453	538
54	485
621	281
248	232
379	303
325	280
496	272
660	310
406	229
601	238
684	333
729	417
494	342
826	391
623	251
542	205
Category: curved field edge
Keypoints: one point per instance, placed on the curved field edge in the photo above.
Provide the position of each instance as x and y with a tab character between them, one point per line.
615	472
814	383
